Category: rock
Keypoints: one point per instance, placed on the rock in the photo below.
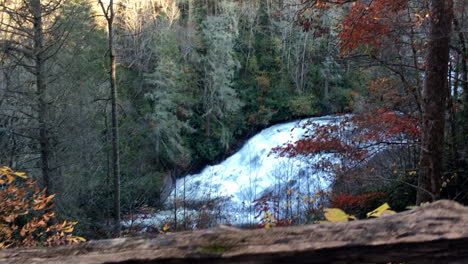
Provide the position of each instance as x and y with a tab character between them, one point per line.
435	233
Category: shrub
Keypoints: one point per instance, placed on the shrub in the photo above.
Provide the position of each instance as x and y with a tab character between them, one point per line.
268	212
26	216
358	205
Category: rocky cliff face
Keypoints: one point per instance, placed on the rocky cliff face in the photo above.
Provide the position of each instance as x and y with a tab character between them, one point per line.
436	233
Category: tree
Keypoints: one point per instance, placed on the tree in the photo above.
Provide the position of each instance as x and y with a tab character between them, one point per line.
171	102
109	15
434	99
32	35
136	26
371	24
219	66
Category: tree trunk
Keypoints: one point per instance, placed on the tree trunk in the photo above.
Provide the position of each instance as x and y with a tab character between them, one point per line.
110	15
115	136
41	87
434	99
464	80
115	126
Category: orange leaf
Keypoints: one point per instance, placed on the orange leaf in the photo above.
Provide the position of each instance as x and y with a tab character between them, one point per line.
42	223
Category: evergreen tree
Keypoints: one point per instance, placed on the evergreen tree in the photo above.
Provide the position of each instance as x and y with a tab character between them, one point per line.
219	67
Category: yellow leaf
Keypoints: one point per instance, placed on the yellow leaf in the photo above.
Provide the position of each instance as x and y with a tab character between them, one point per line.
166	227
75	239
69	229
267	226
21	175
380	211
411	172
337	215
81	238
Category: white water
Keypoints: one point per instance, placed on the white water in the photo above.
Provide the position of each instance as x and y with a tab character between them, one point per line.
253	171
250	173
251	165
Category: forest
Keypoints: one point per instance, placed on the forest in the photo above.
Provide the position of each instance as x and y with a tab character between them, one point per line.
105	106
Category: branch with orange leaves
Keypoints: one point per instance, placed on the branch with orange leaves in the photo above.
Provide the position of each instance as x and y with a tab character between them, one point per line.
26	219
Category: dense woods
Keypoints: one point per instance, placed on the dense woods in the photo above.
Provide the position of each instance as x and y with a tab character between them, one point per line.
106	103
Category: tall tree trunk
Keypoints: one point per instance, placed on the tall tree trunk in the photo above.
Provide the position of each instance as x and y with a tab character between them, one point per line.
464	81
110	15
115	132
434	97
41	87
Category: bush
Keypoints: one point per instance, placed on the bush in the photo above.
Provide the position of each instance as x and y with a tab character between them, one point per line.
358	205
26	216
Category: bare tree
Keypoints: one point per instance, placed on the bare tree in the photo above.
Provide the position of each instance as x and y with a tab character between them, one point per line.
109	14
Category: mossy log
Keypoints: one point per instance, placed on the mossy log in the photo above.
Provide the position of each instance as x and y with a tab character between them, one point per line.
435	233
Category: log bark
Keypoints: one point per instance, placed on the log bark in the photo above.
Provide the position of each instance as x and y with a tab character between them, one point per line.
435	233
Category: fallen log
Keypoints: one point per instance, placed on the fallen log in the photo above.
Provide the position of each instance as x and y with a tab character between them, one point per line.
435	233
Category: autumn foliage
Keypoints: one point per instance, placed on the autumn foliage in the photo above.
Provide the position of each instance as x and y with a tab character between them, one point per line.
355	139
357	204
268	212
369	23
26	216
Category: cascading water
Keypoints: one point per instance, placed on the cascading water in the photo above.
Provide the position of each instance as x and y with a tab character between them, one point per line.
247	175
253	171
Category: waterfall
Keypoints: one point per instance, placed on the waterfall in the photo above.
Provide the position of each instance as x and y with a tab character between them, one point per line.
227	191
254	171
